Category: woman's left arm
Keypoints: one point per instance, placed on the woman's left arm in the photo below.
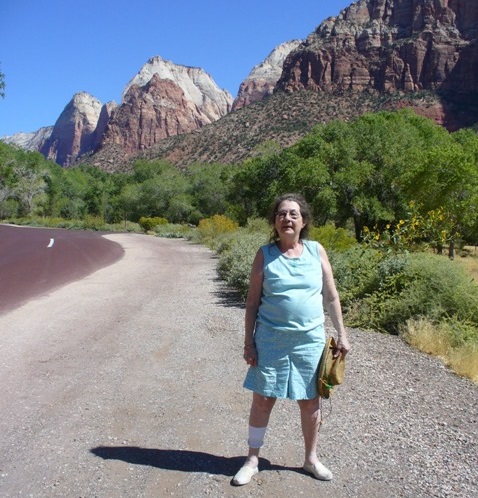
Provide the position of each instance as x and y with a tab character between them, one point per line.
332	302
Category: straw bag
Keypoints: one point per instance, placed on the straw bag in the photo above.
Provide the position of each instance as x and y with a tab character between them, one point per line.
331	370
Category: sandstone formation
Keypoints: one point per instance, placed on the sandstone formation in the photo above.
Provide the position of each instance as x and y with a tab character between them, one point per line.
163	100
374	55
197	85
103	120
391	46
73	133
262	80
30	141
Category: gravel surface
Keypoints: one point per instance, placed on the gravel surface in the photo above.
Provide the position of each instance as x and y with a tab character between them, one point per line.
128	383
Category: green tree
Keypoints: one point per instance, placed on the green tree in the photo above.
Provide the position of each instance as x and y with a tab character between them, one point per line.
74	185
128	202
24	177
370	183
29	189
445	177
208	188
310	177
248	185
161	190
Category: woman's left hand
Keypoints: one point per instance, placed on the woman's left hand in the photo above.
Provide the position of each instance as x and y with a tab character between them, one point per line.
343	347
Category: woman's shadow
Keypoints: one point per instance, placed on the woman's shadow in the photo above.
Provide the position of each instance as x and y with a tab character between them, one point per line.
182	460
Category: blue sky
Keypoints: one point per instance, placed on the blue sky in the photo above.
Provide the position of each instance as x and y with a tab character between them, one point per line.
52	49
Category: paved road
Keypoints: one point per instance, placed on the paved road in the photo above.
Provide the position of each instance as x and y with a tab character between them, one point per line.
34	261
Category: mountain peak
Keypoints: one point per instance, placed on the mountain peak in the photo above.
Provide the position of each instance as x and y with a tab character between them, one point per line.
195	82
164	99
73	133
263	77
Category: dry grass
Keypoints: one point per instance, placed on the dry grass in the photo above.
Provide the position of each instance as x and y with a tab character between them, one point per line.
434	340
426	337
464	361
468	258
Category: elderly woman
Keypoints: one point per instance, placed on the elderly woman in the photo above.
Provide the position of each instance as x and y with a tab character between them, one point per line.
291	279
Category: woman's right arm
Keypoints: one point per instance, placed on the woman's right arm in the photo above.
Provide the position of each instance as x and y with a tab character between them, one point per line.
252	306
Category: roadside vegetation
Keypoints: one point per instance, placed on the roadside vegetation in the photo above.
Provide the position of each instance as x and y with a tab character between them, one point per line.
395	202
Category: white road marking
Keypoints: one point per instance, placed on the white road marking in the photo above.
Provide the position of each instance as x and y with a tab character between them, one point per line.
52	241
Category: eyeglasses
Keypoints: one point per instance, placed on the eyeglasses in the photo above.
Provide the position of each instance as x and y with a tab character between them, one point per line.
294	215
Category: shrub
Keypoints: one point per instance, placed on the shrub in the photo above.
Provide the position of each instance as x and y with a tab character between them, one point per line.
125	226
147	224
398	288
258	225
443	288
212	229
355	272
174	231
89	223
93	223
333	239
235	260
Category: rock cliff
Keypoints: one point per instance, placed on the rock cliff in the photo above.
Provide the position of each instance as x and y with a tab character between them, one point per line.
374	55
74	131
391	46
262	80
103	120
164	99
30	141
197	85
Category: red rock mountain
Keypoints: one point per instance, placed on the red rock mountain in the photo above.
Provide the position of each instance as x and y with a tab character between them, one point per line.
74	131
394	46
262	80
163	100
403	51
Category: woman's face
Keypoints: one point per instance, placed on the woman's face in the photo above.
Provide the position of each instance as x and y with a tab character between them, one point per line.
289	221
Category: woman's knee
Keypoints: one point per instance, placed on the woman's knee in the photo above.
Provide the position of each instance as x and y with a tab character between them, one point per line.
263	404
309	405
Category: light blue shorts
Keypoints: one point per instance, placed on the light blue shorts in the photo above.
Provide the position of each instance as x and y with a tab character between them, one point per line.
288	361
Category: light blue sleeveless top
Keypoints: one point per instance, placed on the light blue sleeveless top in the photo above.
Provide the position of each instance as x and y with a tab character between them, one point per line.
292	289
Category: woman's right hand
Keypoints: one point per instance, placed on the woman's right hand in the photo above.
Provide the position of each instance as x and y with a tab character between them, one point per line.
250	355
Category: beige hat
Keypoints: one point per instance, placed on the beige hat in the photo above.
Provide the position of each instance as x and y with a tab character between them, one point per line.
331	370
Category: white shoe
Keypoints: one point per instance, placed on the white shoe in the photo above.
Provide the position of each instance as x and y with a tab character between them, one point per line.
245	475
319	471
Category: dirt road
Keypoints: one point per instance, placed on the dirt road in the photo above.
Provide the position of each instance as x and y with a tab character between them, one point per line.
128	383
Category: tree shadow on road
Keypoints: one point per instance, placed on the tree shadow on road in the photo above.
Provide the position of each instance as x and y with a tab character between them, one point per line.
181	460
227	296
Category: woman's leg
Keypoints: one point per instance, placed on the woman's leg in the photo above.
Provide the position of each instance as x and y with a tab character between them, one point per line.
310	420
258	419
261	409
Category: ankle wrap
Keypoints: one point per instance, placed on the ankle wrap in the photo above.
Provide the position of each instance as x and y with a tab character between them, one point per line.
256	436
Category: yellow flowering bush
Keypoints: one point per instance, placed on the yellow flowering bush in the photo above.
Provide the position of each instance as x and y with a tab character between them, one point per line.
435	229
211	230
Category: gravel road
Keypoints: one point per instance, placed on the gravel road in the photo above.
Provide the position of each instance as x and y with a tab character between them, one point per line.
128	383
